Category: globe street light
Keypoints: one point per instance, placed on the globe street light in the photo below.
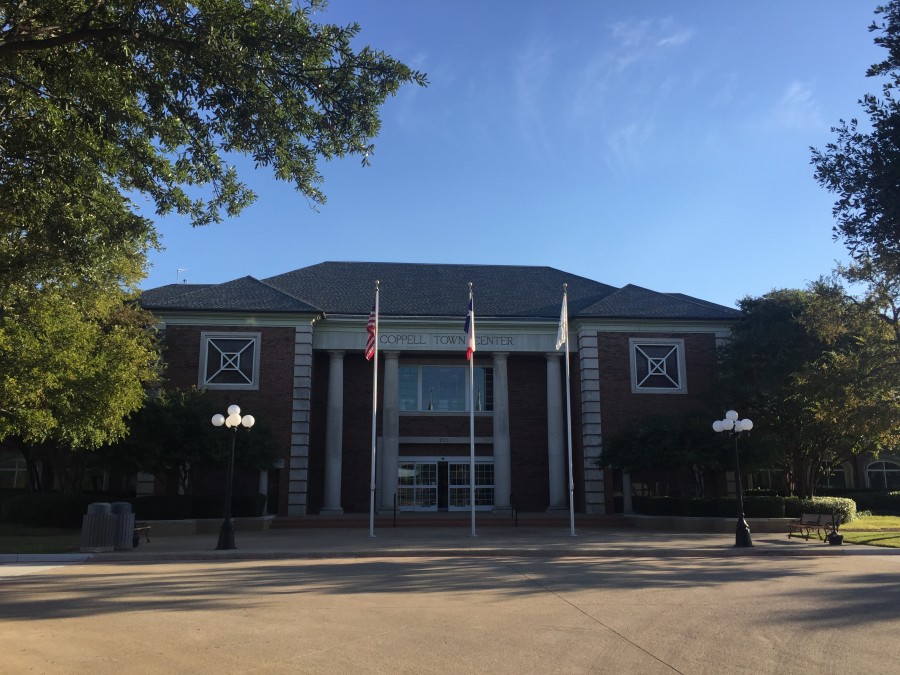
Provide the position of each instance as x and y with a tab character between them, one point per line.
234	421
735	427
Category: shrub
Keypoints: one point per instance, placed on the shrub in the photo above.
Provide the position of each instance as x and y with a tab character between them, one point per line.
843	508
46	509
761	492
162	507
764	507
726	507
880	502
180	507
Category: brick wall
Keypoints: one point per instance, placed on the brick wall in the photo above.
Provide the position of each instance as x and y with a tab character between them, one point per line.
620	407
270	404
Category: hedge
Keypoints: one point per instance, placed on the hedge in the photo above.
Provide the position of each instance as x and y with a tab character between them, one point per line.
880	502
46	509
842	507
52	509
726	507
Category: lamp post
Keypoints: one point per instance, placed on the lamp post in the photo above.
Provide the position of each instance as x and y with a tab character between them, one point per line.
735	427
233	422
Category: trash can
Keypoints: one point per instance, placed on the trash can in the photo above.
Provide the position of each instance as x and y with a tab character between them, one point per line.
98	528
124	526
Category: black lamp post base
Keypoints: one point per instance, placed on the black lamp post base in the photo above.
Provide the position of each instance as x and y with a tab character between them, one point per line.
226	537
742	535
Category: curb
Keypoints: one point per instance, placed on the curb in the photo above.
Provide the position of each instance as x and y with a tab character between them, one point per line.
7	558
242	555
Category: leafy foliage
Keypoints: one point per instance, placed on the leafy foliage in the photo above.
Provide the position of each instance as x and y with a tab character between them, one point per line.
104	101
817	372
171	435
862	167
843	508
73	363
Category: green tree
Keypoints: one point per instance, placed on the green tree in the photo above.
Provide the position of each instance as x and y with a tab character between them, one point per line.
817	372
171	436
669	443
862	165
73	365
103	100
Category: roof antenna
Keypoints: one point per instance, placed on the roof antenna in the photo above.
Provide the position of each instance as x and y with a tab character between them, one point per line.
178	273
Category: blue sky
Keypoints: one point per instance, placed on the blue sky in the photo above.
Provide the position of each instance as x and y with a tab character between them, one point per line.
659	143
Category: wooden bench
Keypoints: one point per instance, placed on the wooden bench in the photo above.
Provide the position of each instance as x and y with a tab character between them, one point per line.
809	522
139	529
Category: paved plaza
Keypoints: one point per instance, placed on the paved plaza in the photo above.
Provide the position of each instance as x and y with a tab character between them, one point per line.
439	602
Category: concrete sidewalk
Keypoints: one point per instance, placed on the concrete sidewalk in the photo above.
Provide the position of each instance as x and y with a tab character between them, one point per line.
457	542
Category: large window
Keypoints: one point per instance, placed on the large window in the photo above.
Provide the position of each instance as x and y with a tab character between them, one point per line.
884	475
13	471
441	389
229	361
657	366
833	476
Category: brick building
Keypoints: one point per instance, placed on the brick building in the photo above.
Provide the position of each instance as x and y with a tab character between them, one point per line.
290	350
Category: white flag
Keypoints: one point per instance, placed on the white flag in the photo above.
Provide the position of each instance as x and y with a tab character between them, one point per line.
562	336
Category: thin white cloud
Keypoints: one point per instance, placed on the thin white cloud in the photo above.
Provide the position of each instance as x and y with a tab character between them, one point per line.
532	75
626	144
797	108
620	90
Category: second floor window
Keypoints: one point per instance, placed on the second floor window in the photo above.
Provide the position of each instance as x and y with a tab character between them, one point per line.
442	389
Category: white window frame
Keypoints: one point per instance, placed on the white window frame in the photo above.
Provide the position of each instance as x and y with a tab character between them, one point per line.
205	338
421	406
678	345
888	465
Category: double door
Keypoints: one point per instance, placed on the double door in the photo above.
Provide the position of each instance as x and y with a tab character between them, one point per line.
425	485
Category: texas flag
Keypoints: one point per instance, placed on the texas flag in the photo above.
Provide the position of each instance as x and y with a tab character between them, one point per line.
470	328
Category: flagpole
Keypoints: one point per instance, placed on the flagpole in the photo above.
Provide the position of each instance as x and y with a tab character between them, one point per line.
374	415
472	414
569	415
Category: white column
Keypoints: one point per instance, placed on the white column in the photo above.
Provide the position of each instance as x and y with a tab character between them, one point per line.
502	463
390	429
556	456
334	432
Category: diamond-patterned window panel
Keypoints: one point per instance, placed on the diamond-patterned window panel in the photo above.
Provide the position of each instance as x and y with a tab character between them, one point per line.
657	366
231	362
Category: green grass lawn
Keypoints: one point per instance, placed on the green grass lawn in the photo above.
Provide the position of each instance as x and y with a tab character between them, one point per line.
873	531
24	539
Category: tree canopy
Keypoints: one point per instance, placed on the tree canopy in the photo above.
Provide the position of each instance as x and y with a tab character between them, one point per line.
105	101
816	371
862	165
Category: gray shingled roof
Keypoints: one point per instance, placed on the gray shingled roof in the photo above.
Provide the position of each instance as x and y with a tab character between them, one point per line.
241	295
419	290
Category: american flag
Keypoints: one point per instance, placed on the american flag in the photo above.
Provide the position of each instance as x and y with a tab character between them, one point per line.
371	330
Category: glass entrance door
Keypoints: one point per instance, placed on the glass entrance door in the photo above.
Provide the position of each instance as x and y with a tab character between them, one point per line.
459	487
417	486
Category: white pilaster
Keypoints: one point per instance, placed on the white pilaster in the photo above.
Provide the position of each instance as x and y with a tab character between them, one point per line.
502	461
334	433
556	458
390	429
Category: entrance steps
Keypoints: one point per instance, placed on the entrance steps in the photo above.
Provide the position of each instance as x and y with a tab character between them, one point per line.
455	519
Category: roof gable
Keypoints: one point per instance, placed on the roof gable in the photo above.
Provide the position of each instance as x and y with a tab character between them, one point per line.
240	295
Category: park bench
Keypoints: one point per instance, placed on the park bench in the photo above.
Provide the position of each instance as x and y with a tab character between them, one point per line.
139	529
809	522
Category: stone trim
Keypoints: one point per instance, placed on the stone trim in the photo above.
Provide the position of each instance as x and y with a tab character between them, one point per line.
298	475
588	362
